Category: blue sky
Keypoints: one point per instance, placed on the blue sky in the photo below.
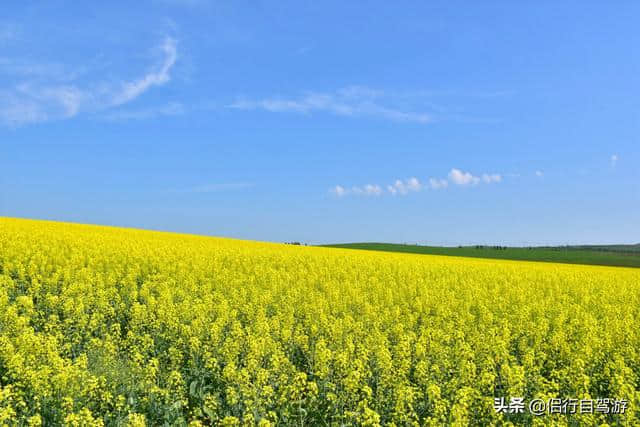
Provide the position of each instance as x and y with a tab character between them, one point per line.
430	122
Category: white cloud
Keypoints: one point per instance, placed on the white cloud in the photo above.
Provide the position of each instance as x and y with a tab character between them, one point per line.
436	184
339	191
614	160
463	178
353	101
539	174
404	187
372	189
33	101
397	187
413	184
15	111
491	178
415	106
28	104
131	90
69	98
367	190
459	177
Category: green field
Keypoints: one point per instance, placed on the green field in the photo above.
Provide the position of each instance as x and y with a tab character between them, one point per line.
614	255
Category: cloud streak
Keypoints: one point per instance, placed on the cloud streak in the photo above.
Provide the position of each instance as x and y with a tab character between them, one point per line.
353	101
131	90
170	109
413	185
32	101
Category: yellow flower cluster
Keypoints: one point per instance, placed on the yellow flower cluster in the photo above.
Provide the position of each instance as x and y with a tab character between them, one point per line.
107	326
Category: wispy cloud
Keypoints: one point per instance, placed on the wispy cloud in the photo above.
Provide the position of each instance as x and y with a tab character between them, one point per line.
369	189
459	177
539	174
415	106
353	101
404	187
462	178
131	90
339	190
614	160
437	184
413	185
35	100
170	109
366	190
491	178
26	69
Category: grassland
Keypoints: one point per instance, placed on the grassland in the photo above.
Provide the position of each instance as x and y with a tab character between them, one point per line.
612	255
110	326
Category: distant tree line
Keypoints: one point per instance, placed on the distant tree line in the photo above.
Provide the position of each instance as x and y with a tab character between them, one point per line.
498	248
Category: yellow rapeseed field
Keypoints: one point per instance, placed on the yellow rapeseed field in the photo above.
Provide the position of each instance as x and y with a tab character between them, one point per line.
111	326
